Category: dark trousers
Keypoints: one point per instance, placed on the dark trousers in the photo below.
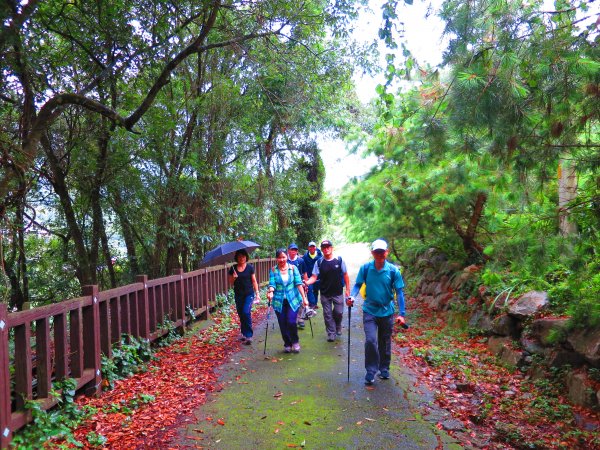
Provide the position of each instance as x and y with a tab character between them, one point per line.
243	305
287	324
378	342
313	294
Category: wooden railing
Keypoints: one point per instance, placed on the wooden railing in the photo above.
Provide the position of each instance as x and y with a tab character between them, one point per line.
67	339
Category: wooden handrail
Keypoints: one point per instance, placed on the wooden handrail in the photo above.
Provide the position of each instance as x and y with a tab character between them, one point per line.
67	339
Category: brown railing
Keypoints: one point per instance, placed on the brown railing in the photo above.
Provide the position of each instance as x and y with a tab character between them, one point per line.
67	339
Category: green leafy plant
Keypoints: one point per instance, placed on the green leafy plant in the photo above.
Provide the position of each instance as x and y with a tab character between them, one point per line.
129	357
57	422
95	440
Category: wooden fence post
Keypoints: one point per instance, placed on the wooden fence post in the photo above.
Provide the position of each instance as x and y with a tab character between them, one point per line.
143	310
92	358
5	412
180	299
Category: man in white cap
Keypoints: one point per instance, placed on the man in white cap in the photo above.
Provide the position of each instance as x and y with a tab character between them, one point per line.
382	279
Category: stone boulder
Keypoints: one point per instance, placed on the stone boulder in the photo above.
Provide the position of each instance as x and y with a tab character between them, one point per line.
581	390
528	305
506	325
543	329
587	344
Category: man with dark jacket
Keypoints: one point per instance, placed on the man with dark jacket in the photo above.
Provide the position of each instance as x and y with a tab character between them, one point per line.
310	259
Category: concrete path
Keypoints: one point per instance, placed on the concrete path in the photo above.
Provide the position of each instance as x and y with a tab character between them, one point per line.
305	400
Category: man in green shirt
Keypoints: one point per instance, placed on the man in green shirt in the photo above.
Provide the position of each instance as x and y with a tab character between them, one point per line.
382	279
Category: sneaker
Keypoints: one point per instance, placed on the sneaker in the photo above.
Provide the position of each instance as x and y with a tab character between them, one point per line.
301	325
248	341
384	374
296	348
369	380
338	333
315	306
287	349
242	338
331	338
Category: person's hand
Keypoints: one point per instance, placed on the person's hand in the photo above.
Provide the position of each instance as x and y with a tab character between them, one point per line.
349	301
402	322
305	302
234	274
270	295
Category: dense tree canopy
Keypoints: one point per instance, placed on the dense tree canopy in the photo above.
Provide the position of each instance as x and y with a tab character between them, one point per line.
138	135
494	156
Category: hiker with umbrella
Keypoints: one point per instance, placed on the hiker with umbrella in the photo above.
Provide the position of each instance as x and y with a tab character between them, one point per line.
382	279
245	289
286	293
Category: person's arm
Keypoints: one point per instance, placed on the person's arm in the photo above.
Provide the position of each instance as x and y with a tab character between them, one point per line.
347	281
399	288
255	286
271	287
300	286
232	275
314	276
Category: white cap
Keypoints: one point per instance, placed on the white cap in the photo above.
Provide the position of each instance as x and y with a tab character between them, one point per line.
312	243
379	244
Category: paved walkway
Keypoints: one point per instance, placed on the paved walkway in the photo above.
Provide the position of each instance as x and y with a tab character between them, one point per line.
279	400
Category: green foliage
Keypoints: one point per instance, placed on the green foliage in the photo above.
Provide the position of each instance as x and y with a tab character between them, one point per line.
57	422
129	357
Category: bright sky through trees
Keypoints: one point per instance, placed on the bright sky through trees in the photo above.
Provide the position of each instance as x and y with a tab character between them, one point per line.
423	37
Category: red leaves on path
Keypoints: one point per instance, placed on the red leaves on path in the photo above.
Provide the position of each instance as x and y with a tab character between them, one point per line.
179	380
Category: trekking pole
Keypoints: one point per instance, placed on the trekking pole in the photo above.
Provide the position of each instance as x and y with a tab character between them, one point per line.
350	303
267	329
311	330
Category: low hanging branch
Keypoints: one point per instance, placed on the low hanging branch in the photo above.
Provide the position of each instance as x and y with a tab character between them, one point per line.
53	107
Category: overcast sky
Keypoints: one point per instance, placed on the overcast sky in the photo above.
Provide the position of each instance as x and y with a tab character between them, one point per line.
422	37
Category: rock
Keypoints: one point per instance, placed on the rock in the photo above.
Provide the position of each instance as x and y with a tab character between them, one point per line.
512	356
532	346
544	329
560	358
580	390
529	304
587	344
481	321
496	344
452	425
506	325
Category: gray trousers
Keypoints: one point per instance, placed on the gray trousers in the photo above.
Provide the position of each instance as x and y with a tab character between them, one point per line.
333	312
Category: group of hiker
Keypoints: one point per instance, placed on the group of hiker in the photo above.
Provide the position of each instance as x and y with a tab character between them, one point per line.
295	283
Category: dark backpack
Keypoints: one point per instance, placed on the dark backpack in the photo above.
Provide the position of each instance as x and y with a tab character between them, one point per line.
339	258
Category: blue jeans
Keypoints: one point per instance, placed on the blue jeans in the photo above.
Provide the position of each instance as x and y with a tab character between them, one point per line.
378	342
243	305
313	294
287	324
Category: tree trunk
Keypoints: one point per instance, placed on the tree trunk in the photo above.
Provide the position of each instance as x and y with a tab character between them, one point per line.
84	273
567	192
128	233
473	249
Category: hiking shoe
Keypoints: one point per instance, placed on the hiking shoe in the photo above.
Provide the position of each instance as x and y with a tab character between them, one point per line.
248	341
287	349
384	374
296	347
369	379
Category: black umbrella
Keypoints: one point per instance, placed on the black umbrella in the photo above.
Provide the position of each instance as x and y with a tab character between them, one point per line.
224	252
